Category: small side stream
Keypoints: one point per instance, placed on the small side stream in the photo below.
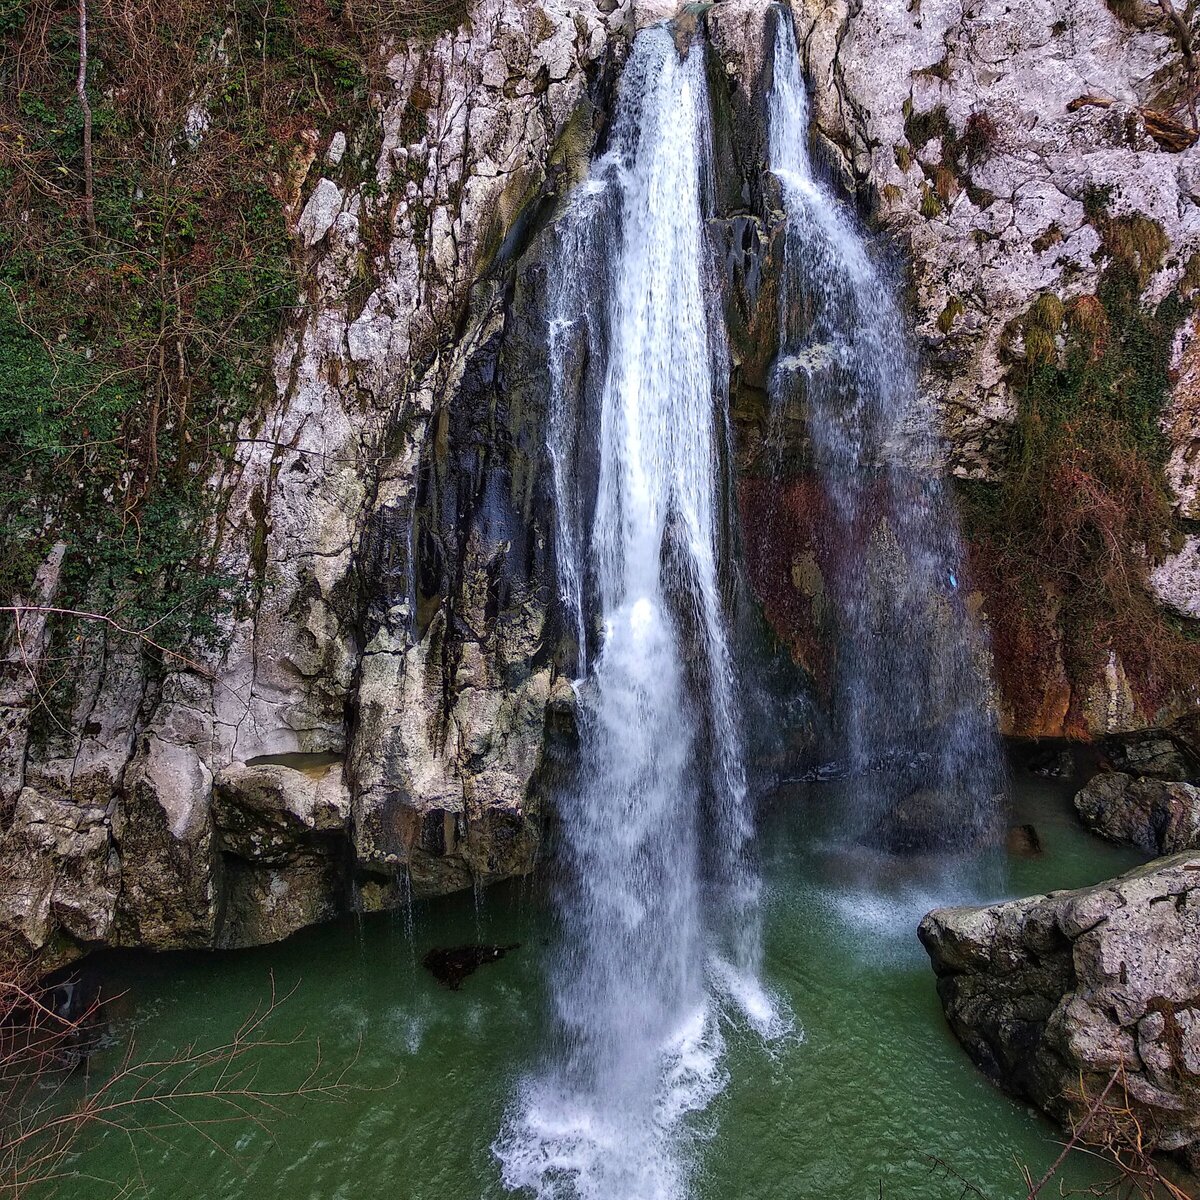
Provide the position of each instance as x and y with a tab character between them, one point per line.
869	1088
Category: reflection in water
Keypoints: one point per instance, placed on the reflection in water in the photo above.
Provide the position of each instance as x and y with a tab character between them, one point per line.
875	1085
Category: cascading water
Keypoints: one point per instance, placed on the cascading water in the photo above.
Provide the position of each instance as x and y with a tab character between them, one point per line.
658	905
911	723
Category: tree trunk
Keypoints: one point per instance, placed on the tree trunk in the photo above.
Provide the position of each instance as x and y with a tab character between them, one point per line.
89	182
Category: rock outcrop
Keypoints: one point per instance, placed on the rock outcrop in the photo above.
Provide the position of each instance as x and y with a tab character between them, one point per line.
387	528
1059	997
1155	815
1146	795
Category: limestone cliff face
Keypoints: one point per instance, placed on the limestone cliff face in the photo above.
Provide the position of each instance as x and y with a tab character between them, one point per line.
983	137
387	520
383	713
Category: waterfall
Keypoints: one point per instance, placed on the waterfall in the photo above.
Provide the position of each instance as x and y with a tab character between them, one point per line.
657	907
911	723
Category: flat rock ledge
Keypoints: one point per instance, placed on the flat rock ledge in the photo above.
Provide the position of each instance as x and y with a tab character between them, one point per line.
1052	996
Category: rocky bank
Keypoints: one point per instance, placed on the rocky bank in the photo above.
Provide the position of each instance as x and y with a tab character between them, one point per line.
1071	996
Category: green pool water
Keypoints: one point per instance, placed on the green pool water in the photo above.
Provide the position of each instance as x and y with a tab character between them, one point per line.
854	1104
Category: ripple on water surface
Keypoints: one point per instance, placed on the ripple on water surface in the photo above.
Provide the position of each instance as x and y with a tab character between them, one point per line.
868	1085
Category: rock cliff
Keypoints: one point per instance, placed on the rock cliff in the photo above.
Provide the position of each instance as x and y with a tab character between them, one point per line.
1071	997
383	709
1024	156
379	695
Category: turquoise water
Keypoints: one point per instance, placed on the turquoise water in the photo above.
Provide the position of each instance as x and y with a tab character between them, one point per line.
868	1088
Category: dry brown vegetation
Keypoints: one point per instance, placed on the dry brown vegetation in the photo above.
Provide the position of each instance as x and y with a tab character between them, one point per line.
1067	540
50	1102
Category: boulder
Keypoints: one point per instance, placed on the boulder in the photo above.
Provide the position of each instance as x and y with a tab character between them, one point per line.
1156	815
927	819
1023	841
282	831
269	812
1056	996
163	831
931	820
1156	753
60	875
269	902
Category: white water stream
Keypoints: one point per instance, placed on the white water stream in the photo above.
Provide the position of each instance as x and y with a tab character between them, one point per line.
658	907
659	932
911	723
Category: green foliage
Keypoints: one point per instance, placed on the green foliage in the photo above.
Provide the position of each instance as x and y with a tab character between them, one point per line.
958	154
127	359
953	310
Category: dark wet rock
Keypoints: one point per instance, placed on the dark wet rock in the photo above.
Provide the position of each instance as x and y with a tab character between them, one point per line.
1054	995
267	902
450	965
1152	753
1023	841
1054	761
1155	815
930	819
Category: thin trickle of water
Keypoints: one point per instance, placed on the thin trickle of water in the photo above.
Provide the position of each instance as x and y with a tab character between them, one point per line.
658	907
910	713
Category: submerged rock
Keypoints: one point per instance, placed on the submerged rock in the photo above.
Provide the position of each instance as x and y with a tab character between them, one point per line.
450	965
1023	841
929	819
1055	996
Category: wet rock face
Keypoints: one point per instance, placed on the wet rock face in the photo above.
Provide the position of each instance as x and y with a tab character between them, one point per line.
387	520
978	137
998	218
1055	996
1146	795
61	875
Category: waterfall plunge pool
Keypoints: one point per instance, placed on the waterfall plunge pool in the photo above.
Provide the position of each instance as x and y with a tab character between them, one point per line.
869	1089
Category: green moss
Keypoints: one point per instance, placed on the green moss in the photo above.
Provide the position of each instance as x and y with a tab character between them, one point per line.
1051	237
1124	10
980	197
953	310
945	183
931	206
978	138
958	153
922	128
1189	284
1045	314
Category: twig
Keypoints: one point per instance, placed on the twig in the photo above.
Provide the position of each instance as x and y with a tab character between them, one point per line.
141	635
89	181
1075	1136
